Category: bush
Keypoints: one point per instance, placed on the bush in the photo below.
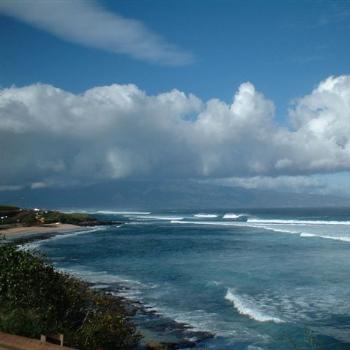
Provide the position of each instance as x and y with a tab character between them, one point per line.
50	217
21	321
36	299
105	330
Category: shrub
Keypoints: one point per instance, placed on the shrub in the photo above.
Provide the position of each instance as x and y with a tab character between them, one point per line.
36	299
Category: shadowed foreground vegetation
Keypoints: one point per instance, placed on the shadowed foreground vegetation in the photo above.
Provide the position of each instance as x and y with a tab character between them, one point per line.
36	299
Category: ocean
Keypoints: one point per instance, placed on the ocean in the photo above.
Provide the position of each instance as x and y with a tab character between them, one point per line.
270	279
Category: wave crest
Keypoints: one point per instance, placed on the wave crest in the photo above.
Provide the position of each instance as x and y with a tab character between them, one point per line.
205	215
245	307
298	222
158	217
336	238
232	216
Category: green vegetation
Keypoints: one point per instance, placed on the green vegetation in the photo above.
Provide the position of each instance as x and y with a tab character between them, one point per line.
10	215
5	209
36	299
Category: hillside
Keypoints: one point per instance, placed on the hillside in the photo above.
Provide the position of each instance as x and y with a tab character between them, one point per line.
15	216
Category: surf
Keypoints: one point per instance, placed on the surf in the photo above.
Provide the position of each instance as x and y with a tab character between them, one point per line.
245	308
201	215
297	222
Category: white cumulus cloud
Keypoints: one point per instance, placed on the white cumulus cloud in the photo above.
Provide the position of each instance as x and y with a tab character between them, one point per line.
50	136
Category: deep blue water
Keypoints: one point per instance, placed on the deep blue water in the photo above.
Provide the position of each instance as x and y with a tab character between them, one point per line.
260	284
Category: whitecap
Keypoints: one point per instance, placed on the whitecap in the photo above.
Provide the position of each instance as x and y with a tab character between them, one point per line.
274	228
245	307
62	235
297	222
336	238
307	235
219	223
200	215
232	216
159	217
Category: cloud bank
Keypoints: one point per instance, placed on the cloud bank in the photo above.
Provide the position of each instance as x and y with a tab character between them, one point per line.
49	136
87	23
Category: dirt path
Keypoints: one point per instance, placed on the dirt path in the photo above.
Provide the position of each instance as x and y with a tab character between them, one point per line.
15	342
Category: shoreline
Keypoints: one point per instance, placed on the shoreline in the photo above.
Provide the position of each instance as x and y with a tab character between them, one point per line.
23	232
159	331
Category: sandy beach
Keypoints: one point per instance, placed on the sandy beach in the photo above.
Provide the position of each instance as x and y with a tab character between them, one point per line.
15	232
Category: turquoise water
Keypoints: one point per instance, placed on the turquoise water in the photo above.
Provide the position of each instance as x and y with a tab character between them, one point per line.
260	284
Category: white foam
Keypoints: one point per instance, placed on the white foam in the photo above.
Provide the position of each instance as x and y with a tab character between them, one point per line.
100	277
77	233
307	235
232	216
30	246
297	222
279	230
198	320
218	223
336	238
245	307
205	215
159	217
296	230
61	235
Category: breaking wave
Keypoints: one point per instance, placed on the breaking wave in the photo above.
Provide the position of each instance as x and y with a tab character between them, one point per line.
61	235
205	215
336	238
219	223
159	217
297	222
246	308
232	216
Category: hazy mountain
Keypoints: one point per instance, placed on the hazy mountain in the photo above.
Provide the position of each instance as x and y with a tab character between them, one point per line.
163	195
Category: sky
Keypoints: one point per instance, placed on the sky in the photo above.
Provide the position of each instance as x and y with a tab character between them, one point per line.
247	93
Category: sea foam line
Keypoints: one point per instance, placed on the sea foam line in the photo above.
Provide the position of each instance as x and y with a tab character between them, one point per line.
200	215
297	222
98	276
159	217
61	235
264	227
219	223
245	308
336	238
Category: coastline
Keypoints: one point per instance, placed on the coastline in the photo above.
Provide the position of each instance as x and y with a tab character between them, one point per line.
23	232
158	331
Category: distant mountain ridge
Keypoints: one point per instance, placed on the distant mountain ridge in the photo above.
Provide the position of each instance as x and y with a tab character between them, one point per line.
164	195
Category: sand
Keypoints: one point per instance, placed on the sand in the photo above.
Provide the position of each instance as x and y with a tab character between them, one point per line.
22	231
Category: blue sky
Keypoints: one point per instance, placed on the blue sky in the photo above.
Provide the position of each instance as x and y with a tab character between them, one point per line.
284	47
252	93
